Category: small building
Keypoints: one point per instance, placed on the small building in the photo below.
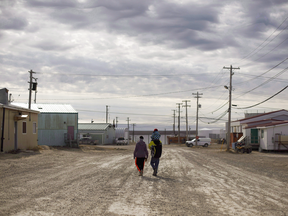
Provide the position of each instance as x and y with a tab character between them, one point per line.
274	136
100	133
57	123
122	132
249	126
19	126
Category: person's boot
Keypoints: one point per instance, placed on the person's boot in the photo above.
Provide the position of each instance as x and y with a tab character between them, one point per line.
141	173
154	173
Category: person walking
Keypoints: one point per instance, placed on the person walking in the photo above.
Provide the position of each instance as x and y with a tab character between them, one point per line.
140	155
156	150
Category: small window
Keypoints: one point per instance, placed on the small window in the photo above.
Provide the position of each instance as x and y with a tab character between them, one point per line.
262	133
34	127
24	127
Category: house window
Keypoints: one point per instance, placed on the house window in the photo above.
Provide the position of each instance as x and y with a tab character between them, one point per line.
24	125
262	133
34	127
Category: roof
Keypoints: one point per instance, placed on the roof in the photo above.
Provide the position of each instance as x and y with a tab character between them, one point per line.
271	124
49	108
263	114
18	108
94	126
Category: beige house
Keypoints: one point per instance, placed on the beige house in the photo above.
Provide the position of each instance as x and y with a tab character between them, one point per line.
19	126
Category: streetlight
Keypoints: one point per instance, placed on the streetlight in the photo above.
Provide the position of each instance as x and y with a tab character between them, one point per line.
229	118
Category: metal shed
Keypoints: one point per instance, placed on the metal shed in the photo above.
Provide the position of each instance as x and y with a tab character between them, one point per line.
56	122
100	133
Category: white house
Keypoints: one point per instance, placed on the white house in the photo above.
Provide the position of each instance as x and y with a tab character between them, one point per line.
249	126
274	136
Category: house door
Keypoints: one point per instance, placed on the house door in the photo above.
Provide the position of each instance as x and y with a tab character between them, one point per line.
70	132
15	136
254	136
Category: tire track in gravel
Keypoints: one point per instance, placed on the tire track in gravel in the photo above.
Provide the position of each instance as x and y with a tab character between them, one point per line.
69	184
189	182
237	191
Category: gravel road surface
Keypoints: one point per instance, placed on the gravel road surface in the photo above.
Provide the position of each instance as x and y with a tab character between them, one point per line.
98	180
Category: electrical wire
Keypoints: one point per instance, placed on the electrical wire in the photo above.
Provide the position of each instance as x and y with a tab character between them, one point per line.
250	54
217	119
269	80
264	100
138	114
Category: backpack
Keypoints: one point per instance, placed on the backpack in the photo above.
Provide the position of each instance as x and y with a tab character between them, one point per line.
153	151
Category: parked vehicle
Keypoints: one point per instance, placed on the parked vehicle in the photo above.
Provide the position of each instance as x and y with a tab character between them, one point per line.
86	140
205	142
241	146
121	141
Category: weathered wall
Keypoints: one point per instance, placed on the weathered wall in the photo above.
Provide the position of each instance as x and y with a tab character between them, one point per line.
26	140
53	126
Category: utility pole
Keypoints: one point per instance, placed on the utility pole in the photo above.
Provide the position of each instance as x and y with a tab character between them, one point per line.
35	89
133	131
30	86
128	128
229	109
106	113
128	122
179	104
186	116
165	136
116	121
197	96
174	122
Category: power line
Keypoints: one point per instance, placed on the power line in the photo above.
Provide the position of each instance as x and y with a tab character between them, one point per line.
267	70
126	75
250	54
216	119
270	79
264	100
143	114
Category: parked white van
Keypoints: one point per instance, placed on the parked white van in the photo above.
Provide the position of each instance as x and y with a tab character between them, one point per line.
205	142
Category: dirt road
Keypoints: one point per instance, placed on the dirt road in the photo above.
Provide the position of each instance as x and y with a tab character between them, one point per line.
104	181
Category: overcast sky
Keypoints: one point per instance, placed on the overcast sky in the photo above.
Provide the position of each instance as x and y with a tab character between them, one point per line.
142	57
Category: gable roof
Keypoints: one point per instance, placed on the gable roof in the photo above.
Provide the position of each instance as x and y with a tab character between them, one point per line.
265	123
94	126
49	108
273	124
269	115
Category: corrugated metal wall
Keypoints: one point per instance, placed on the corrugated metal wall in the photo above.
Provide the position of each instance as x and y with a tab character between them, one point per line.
53	126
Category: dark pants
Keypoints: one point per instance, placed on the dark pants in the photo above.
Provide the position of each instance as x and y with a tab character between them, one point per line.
139	162
155	163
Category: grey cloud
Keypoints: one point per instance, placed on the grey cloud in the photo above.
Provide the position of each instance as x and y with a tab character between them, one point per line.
172	24
10	18
52	46
16	23
52	3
